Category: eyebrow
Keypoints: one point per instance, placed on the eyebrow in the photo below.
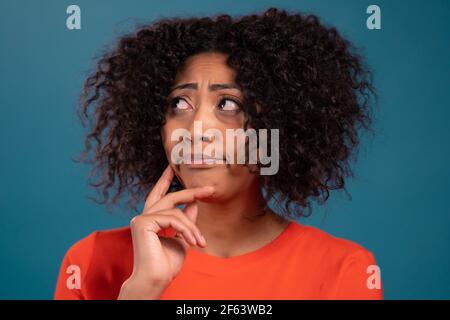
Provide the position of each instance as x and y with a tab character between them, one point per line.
211	87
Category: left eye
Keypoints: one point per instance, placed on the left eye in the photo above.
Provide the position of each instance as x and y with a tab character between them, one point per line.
229	105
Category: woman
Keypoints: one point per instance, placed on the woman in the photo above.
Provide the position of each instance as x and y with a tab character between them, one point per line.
276	70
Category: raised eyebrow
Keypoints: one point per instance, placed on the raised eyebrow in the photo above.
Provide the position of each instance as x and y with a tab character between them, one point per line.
221	86
211	87
184	86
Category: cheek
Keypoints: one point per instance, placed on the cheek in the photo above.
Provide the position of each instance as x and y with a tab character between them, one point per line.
166	132
168	144
231	182
165	140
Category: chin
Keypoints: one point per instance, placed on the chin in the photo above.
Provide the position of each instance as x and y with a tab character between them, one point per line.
199	181
201	177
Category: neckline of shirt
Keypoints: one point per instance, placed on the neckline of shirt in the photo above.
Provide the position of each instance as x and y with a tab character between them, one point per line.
209	264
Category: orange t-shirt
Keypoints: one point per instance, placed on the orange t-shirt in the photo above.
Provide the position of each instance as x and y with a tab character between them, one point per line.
303	262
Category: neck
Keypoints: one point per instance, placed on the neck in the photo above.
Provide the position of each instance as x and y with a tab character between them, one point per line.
235	226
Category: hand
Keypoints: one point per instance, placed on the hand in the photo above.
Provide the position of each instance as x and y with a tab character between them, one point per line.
158	259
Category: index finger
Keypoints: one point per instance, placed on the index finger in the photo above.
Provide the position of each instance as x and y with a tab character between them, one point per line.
182	197
160	188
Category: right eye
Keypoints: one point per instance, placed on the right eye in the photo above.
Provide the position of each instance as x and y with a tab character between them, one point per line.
179	103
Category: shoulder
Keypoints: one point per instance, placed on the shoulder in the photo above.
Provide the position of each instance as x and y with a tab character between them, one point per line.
314	240
96	265
328	253
347	269
103	241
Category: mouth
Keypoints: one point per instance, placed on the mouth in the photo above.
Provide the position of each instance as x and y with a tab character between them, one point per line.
203	161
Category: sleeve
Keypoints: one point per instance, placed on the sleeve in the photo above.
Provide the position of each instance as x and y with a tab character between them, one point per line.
71	284
359	278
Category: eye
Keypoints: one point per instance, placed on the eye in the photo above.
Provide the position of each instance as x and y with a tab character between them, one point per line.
179	103
228	104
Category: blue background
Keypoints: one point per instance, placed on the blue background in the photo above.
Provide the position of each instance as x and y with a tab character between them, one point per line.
399	208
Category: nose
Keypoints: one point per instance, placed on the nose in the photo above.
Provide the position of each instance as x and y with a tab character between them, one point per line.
202	120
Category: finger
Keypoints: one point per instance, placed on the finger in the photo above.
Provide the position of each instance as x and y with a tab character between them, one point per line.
191	211
184	242
160	188
181	228
183	217
146	242
185	196
156	222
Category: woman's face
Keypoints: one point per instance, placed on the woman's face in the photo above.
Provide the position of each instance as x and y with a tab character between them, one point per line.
206	97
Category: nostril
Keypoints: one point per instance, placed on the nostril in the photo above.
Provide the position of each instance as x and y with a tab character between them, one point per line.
207	139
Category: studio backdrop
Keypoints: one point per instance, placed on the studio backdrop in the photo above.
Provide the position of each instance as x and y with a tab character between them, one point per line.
397	203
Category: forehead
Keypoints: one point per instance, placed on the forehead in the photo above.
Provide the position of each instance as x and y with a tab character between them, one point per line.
211	66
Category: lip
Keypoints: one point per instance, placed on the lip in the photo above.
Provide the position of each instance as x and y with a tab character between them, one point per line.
203	161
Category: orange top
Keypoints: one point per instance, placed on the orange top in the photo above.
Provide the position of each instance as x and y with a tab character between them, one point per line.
303	262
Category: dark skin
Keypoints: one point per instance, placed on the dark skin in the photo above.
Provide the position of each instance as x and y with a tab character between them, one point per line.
222	214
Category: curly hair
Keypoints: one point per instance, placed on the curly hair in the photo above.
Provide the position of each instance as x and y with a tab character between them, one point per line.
309	81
